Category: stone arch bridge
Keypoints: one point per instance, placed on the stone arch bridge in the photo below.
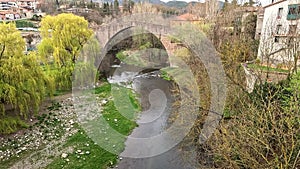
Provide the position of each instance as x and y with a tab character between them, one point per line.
117	30
158	25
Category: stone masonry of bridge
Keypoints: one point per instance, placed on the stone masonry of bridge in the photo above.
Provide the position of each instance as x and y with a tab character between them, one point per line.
157	25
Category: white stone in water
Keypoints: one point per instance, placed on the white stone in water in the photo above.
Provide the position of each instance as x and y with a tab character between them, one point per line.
64	155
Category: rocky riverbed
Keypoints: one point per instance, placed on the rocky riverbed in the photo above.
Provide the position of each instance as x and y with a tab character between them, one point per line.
48	129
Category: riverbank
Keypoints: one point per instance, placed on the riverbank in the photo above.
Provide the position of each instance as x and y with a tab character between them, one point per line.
57	140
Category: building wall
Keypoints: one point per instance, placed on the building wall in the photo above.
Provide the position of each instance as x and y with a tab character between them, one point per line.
259	23
273	34
294	1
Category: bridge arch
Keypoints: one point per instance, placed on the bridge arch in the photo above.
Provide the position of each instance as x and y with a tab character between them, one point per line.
111	36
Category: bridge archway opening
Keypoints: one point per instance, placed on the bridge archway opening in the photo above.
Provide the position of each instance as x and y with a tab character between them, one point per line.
128	41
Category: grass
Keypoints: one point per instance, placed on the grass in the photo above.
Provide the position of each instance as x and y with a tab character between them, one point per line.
133	59
23	23
92	155
61	92
174	39
121	56
266	68
8	163
165	75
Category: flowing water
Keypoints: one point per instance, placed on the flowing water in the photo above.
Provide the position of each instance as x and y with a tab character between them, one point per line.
156	99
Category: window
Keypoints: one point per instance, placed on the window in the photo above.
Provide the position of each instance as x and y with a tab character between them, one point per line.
290	42
293	12
276	39
292	29
280	12
278	29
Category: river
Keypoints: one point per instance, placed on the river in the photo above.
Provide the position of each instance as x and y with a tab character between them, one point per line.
156	99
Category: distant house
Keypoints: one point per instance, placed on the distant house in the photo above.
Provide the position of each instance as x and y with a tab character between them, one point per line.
7	4
78	10
28	4
187	18
280	29
8	15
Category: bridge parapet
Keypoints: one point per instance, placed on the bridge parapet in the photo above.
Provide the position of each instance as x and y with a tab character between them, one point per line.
154	24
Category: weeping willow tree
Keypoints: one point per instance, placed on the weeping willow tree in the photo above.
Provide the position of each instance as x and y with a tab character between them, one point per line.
63	37
23	84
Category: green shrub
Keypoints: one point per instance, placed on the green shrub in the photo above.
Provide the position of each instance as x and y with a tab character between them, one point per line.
10	125
24	23
266	131
165	75
121	56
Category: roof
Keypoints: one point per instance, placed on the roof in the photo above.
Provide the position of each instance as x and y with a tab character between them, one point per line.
278	2
7	12
8	0
26	0
187	17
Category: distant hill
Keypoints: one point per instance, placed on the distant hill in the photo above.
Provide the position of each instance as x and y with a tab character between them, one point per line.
177	4
174	3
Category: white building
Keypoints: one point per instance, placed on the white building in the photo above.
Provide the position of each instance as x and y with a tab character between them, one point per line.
7	4
278	32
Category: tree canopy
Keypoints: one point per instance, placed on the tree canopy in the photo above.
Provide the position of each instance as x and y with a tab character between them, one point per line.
63	37
22	81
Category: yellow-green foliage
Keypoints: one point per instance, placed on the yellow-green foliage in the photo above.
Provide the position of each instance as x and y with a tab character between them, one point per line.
11	124
63	37
205	27
22	82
